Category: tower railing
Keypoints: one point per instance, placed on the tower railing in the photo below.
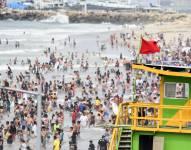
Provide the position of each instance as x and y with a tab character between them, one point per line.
116	132
151	117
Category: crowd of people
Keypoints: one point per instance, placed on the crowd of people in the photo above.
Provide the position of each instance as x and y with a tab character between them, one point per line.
176	52
90	88
86	96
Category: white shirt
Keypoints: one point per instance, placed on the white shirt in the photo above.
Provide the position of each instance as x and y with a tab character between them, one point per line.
84	120
34	129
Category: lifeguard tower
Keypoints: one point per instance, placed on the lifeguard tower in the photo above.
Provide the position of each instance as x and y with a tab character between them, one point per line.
163	126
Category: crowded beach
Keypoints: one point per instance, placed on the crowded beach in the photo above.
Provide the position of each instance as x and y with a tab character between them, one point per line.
81	89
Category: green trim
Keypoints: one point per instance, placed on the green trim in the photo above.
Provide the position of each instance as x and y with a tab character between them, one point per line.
131	139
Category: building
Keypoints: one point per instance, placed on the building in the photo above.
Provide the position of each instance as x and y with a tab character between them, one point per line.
48	4
128	5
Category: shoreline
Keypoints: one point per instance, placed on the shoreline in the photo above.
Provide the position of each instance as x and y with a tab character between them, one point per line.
92	17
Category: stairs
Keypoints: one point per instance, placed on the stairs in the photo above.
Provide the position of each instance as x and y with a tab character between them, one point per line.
125	140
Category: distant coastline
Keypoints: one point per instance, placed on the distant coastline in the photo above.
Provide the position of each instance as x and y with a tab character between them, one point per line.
125	17
29	15
92	17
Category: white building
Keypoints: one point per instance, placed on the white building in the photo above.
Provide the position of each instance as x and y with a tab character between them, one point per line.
44	4
146	3
120	3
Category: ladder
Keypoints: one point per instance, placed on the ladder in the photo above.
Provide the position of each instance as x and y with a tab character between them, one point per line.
125	140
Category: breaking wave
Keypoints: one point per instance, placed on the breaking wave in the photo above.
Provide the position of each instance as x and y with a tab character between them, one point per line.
59	18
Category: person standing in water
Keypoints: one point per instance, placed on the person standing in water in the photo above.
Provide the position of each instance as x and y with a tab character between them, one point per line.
7	42
91	145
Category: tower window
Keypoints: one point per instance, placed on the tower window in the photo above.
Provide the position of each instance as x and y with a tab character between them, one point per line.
176	90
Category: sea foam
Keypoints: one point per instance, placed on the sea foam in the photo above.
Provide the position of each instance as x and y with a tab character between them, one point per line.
59	18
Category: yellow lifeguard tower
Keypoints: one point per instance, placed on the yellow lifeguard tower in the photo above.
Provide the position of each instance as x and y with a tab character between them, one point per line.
163	126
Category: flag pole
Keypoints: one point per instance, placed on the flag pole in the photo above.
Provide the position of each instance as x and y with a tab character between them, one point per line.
162	63
139	46
135	75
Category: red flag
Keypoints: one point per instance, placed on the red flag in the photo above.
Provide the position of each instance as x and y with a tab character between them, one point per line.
149	47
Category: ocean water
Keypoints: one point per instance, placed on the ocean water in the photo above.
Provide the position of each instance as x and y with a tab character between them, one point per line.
36	34
35	37
53	26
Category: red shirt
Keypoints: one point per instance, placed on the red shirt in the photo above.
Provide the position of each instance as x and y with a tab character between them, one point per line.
73	116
